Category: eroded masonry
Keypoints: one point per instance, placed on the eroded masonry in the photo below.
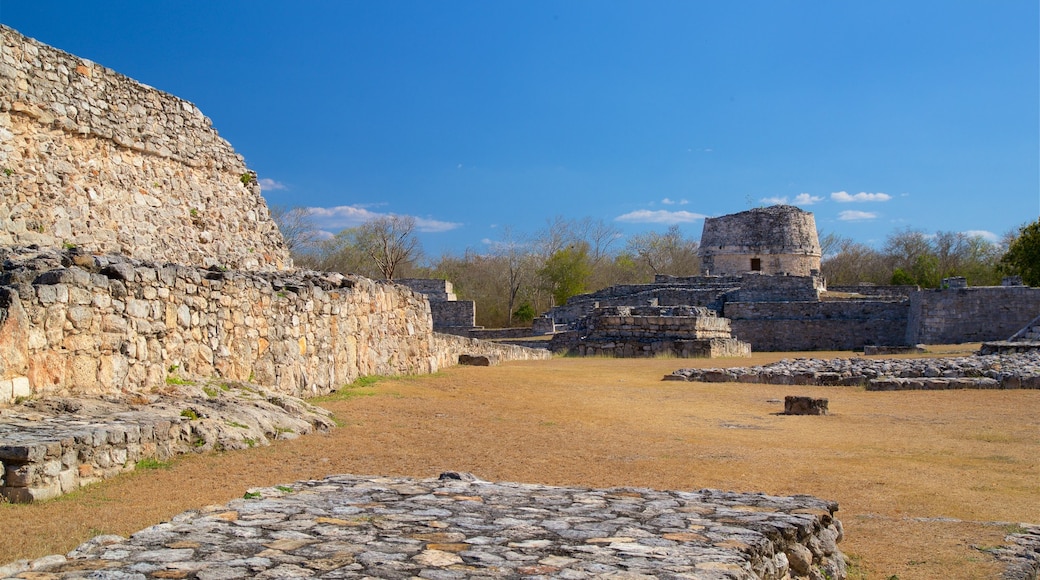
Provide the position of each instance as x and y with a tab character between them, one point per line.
139	264
761	275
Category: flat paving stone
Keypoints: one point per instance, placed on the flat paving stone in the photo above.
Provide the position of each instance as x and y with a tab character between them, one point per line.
457	526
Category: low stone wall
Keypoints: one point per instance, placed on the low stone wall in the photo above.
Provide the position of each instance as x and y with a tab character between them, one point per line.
762	288
496	333
51	447
875	291
453	314
1018	371
783	326
633	348
435	289
650	323
74	324
970	314
448	348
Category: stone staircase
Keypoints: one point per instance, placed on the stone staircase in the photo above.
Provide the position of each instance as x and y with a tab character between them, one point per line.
1031	332
1025	340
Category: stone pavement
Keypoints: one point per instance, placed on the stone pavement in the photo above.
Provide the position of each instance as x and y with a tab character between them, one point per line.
459	527
1004	371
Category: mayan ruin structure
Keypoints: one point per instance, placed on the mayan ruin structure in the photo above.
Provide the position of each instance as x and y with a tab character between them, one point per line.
779	239
139	261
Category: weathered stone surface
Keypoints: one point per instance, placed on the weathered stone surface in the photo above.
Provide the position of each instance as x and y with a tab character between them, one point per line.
97	160
797	405
1021	553
1016	371
477	360
460	527
68	330
648	331
779	239
53	446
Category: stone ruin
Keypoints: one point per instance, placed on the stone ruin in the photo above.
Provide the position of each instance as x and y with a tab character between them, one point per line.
764	279
779	239
144	285
450	315
96	160
648	331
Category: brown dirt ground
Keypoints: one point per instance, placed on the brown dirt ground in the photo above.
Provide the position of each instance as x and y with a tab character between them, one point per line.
924	479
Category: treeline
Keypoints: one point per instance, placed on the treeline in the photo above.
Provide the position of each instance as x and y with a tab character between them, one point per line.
518	276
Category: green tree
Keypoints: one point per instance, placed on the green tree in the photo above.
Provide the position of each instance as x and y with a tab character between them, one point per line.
1022	257
567	271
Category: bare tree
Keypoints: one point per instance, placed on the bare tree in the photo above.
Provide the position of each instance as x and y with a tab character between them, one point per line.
389	241
668	253
298	229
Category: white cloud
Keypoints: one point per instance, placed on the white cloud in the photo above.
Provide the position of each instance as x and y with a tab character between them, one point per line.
774	200
646	216
845	197
806	199
435	226
986	235
268	184
855	216
341	216
667	201
349	216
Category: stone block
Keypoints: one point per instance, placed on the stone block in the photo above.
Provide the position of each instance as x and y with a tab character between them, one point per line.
798	405
478	360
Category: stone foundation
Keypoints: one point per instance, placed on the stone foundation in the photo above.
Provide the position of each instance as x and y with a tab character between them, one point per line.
648	331
459	527
51	447
1017	371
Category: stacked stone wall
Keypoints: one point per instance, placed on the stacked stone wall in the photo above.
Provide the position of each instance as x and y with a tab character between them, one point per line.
781	238
623	323
760	288
875	291
769	263
783	326
448	348
436	290
80	325
970	314
454	314
94	159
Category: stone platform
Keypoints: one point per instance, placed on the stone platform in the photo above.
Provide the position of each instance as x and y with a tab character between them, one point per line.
459	527
1006	371
50	447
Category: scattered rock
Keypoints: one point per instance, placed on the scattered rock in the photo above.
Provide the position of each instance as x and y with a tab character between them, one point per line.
1009	371
795	405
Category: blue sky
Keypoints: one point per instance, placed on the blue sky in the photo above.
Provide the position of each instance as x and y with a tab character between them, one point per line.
478	116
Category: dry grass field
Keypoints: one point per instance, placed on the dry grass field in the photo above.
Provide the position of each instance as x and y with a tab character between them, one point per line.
924	479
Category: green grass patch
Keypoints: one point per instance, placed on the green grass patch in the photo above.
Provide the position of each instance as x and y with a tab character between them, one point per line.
361	387
152	463
284	488
172	380
252	495
236	424
190	414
